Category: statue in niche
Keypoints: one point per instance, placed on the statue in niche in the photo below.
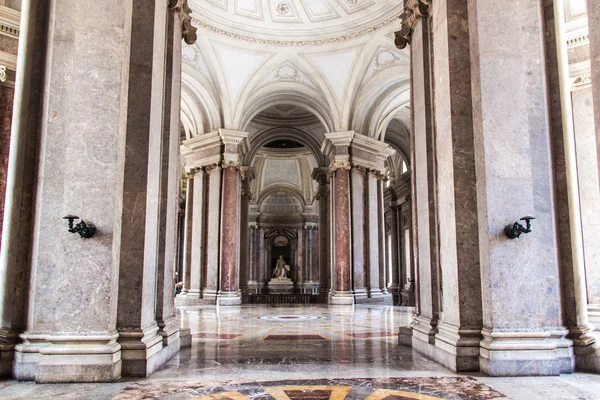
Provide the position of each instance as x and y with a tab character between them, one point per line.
281	270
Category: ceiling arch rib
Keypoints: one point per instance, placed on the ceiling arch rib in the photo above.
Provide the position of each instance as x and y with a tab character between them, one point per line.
261	138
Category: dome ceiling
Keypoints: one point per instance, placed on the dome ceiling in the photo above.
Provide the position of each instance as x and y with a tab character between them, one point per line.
297	21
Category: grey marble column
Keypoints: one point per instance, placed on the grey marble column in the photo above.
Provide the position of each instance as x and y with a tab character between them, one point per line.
170	183
457	341
373	235
383	273
213	208
254	252
576	182
360	243
422	179
512	118
395	252
593	14
196	241
245	267
17	228
187	235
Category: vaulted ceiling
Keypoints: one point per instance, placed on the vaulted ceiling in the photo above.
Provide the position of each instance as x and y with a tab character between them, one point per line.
332	59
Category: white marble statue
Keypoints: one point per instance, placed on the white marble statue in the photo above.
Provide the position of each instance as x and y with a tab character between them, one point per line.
281	270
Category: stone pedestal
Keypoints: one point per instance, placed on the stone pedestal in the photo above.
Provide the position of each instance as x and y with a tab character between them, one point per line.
280	286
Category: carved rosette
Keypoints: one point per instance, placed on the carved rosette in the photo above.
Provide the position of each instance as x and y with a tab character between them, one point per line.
3	73
413	11
188	31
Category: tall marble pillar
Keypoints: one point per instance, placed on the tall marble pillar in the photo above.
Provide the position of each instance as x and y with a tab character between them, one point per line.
169	187
321	175
245	238
78	328
196	241
210	267
187	236
395	251
7	94
360	243
336	147
253	262
523	336
577	193
593	14
425	252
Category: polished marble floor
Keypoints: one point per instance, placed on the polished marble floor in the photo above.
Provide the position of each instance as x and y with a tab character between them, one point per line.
301	345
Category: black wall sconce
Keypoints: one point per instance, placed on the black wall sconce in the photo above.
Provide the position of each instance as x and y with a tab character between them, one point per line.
84	230
514	231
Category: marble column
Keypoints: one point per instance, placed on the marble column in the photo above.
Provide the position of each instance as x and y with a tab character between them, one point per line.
395	252
373	236
298	274
196	241
17	227
261	261
210	269
360	243
593	14
457	340
187	235
336	147
170	184
576	188
245	242
523	336
423	190
254	258
315	258
321	175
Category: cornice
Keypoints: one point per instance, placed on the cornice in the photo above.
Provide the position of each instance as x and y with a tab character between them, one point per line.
10	20
414	10
294	43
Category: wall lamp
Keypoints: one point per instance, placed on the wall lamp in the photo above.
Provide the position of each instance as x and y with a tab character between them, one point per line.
515	230
84	230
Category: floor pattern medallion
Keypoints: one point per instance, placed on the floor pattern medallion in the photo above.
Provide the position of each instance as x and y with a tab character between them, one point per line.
451	388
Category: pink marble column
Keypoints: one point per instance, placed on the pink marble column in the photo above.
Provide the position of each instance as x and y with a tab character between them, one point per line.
228	290
321	175
7	95
343	279
245	263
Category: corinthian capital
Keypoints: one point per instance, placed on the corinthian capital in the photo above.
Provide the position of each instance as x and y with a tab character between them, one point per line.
413	11
187	30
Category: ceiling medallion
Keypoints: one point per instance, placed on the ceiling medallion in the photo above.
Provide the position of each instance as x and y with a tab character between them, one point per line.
283	9
275	42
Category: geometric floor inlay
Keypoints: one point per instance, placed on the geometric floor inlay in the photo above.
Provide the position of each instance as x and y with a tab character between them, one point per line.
451	388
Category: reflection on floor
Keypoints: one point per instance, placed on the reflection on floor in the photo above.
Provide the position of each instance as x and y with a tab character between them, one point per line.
240	352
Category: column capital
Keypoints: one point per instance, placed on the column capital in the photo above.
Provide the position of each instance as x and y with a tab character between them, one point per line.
188	31
223	147
413	11
370	153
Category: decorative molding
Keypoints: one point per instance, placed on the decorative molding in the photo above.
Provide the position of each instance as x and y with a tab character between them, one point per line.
581	82
2	73
188	31
578	40
413	11
10	20
275	42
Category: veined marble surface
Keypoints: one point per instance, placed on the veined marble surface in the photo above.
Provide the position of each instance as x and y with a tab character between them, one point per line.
233	345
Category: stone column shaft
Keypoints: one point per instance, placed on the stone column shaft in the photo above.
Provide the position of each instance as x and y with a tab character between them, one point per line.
424	229
360	243
395	254
342	232
229	230
514	120
170	183
373	235
209	291
197	238
187	234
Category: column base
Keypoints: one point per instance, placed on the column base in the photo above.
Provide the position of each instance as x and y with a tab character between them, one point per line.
8	340
193	297
407	297
539	353
140	351
457	349
68	359
209	296
360	296
587	358
394	290
229	298
341	298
